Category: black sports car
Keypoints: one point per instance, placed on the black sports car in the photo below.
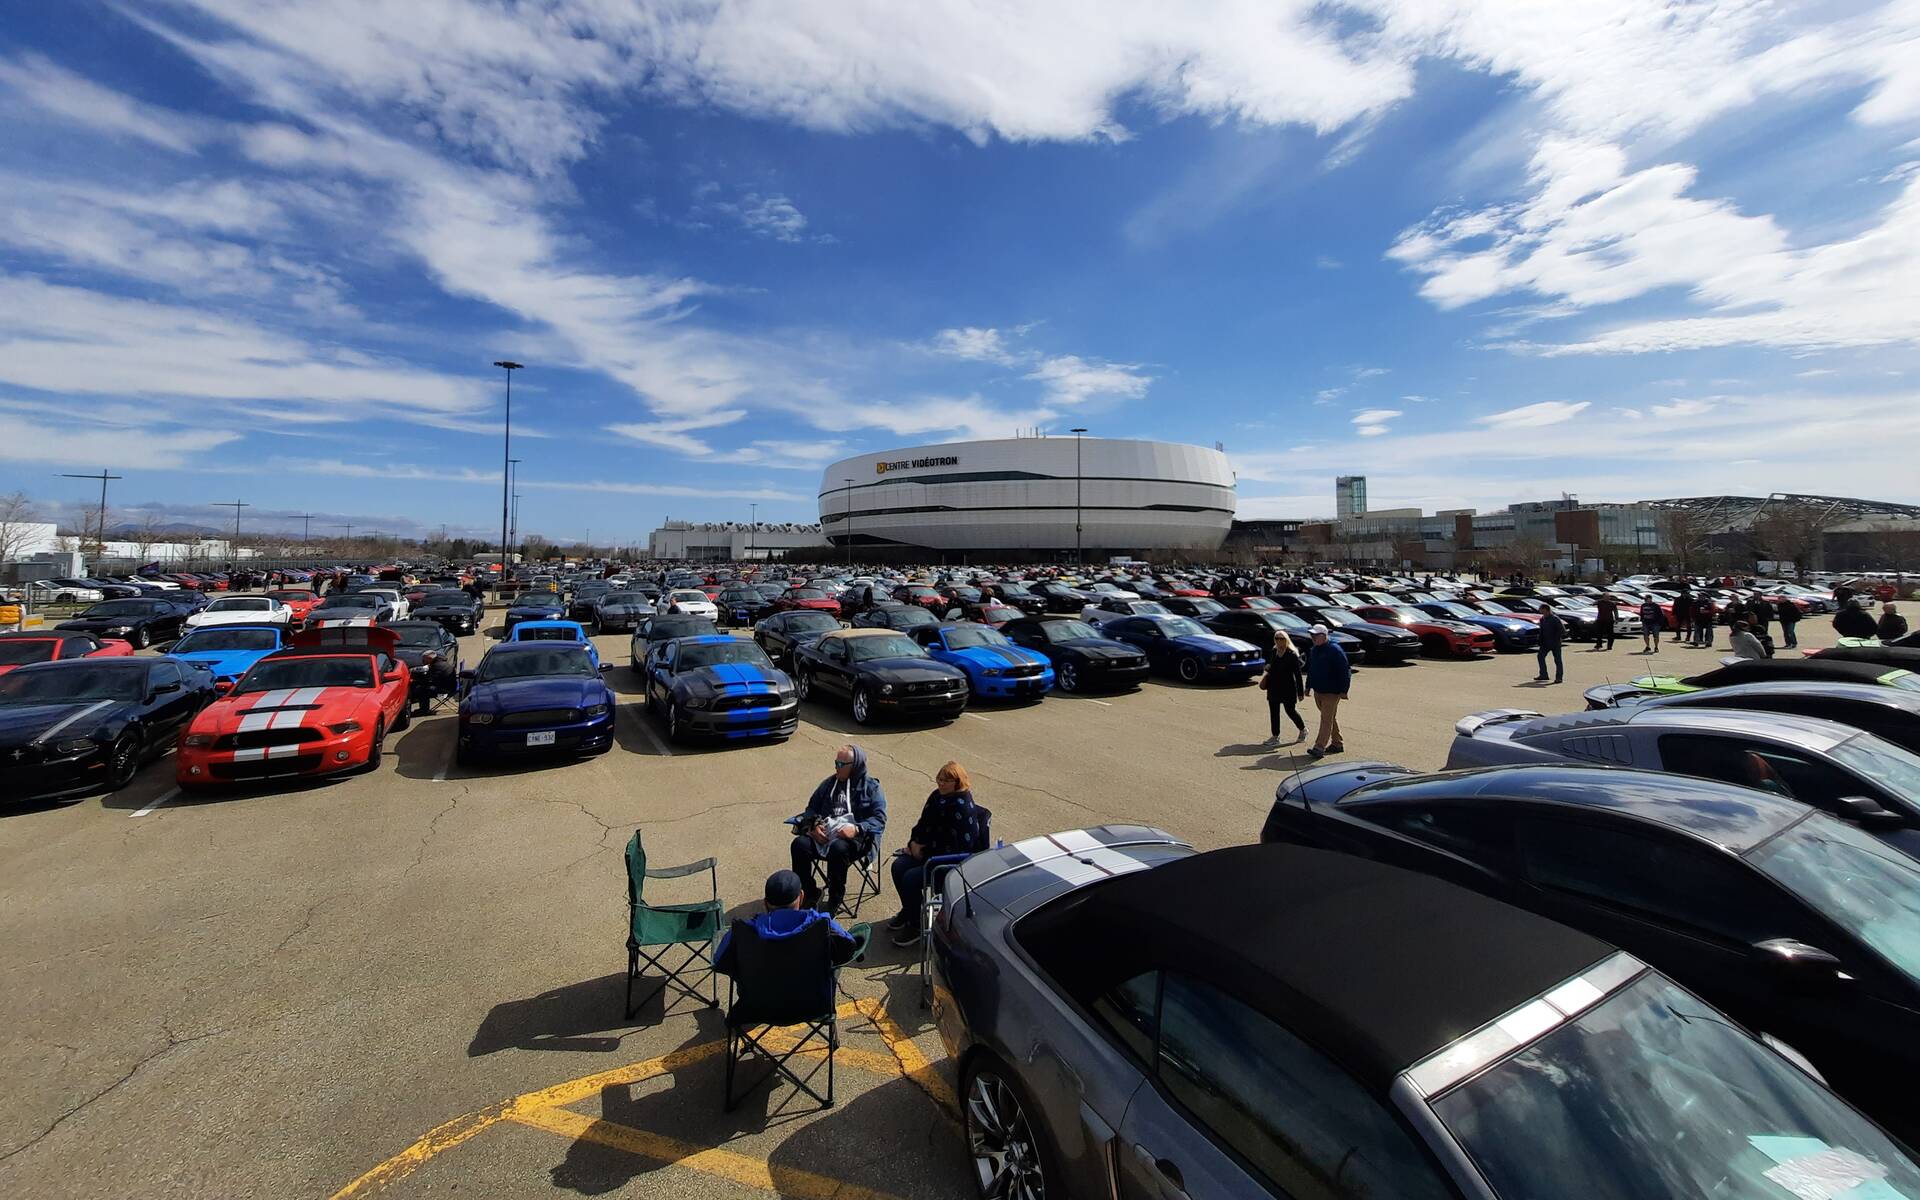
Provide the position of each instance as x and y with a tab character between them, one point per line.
1083	659
880	672
142	622
84	725
741	606
1059	598
719	686
432	654
1197	607
585	593
619	610
537	605
1017	596
1383	643
893	615
662	628
782	631
1906	658
1261	625
457	611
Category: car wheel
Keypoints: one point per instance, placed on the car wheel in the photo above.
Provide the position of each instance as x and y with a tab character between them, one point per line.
862	706
404	719
803	684
1189	670
123	760
1009	1150
676	724
1069	677
378	749
140	639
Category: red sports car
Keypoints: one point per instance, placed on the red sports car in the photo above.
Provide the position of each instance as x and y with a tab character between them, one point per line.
17	649
299	600
1456	639
323	705
807	599
924	596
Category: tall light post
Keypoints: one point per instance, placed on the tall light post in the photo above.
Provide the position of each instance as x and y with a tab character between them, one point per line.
513	480
849	534
100	534
506	463
753	529
306	524
1079	556
233	547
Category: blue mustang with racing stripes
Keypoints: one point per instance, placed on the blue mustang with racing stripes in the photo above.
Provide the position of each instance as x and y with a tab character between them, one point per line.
718	686
996	668
1188	650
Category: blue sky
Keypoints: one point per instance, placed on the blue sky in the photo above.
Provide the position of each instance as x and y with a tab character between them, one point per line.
1478	252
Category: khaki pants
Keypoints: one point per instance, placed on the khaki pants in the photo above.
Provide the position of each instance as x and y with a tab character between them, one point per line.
1329	732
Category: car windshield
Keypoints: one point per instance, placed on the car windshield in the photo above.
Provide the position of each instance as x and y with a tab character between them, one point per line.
120	608
806	594
539	660
448	597
1892	767
14	651
807	622
996	612
537	600
242	604
1335	616
1458	610
962	637
613	598
418	635
1495	607
64	684
331	670
352	600
1906	681
688	596
866	649
1651	1093
1855	880
546	633
1180	627
713	654
217	640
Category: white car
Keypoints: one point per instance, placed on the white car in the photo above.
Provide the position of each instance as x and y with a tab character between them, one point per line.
693	603
47	591
1110	591
241	610
394	598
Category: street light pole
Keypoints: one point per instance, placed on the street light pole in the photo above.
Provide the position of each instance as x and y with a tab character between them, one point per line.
1079	556
849	534
233	547
306	524
753	530
506	452
513	480
100	534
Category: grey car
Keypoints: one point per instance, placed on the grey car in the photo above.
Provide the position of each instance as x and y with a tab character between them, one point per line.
1856	776
1134	1020
619	610
1889	712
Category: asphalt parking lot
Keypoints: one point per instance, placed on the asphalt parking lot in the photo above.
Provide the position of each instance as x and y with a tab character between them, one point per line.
409	982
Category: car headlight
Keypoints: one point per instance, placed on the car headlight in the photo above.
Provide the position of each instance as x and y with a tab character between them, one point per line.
78	745
596	710
481	718
699	702
345	727
201	740
122	629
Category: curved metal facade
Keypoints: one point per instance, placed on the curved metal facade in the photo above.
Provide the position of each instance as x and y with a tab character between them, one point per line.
1020	494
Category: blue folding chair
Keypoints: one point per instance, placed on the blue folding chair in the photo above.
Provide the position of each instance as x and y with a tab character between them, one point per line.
867	866
931	900
783	983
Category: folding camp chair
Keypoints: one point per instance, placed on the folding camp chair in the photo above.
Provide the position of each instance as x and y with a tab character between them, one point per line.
867	866
654	930
780	983
932	900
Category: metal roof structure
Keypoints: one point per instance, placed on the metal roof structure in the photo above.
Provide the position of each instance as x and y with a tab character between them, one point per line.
1742	510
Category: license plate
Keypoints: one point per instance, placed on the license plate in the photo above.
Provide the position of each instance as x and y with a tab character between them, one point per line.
540	739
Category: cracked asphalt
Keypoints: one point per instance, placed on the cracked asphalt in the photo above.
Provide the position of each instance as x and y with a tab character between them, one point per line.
276	991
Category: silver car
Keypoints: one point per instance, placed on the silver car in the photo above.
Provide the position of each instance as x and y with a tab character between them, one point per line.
1856	776
1132	1019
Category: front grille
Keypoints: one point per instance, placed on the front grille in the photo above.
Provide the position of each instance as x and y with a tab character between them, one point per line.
1120	664
255	739
1024	670
928	687
729	703
265	767
540	716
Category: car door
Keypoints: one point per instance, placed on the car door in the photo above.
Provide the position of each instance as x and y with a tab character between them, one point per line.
170	703
1772	768
660	673
834	675
1237	1105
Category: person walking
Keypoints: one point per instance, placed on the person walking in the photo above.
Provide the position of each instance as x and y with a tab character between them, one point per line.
1553	634
1743	643
1329	677
1651	622
1282	686
1703	616
1603	631
949	824
1759	612
1683	614
1854	621
1789	614
1892	625
845	815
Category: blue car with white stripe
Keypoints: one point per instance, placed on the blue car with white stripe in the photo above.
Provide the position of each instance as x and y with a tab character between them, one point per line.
719	686
1186	649
228	651
996	668
555	631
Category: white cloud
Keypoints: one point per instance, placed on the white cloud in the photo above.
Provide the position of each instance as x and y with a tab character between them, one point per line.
58	91
1069	379
1372	422
1533	416
1675	409
975	344
68	444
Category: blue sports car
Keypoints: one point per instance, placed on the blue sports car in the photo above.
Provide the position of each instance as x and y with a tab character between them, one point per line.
554	631
1183	647
719	686
534	606
532	698
996	668
229	650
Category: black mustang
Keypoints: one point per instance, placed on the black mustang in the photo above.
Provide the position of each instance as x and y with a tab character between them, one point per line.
84	725
1082	658
432	654
457	611
142	622
620	610
782	631
880	672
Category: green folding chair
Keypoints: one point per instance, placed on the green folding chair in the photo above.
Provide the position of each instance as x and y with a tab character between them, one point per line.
654	931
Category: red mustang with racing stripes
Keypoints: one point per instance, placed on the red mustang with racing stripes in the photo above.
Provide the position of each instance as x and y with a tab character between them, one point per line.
323	705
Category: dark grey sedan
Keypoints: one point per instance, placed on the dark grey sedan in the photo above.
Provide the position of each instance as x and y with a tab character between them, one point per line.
1132	1019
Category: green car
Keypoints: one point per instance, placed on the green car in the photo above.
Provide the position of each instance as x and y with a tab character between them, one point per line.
1755	670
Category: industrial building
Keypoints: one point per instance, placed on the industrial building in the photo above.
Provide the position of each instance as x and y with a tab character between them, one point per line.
716	541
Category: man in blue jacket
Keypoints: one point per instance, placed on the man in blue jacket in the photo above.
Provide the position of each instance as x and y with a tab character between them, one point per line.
785	917
846	815
1328	678
1553	634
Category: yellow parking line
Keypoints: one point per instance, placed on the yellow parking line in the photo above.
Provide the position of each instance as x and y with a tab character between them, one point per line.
445	1137
725	1164
913	1064
580	1089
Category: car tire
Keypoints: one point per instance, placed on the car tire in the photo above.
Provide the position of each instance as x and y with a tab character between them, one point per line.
862	706
123	759
676	729
1069	677
1189	669
140	639
803	684
404	719
1004	1142
377	751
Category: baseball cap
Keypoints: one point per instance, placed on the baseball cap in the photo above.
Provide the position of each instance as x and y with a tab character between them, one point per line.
1318	631
783	888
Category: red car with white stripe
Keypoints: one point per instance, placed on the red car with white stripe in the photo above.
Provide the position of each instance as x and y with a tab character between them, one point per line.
32	645
322	706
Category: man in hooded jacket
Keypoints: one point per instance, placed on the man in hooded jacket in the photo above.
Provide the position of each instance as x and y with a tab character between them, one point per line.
848	814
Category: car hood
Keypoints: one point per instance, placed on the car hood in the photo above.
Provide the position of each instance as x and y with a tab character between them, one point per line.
737	678
1376	628
999	656
96	624
539	691
1100	647
201	620
1497	621
23	724
225	664
1212	643
443	610
908	670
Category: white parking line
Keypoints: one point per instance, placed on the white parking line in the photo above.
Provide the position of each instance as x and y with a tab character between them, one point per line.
975	716
1101	703
646	731
169	794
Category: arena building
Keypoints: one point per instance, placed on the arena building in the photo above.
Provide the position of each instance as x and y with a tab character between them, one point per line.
1028	495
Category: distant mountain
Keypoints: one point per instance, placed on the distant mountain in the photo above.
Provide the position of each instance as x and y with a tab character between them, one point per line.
171	530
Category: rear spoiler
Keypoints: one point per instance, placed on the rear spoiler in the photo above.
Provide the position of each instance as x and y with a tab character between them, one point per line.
346	638
1468	725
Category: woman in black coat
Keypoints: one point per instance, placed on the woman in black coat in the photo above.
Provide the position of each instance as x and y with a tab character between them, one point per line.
1282	684
949	824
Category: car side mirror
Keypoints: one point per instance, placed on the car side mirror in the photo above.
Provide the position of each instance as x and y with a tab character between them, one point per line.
1868	812
606	666
1797	962
466	674
222	686
162	689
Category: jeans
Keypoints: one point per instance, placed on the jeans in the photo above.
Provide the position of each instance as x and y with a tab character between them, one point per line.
1277	700
841	853
1705	629
1786	634
1559	665
910	880
1329	731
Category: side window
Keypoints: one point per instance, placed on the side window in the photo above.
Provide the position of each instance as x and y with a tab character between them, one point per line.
163	673
1474	835
1290	1113
1667	880
1131	1012
1756	766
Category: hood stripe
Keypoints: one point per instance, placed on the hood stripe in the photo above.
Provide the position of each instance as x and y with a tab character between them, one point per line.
70	718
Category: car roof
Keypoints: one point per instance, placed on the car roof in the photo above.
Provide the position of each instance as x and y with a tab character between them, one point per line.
1335	946
709	639
1749	670
1812	689
1728	815
858	633
47	635
1810	732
